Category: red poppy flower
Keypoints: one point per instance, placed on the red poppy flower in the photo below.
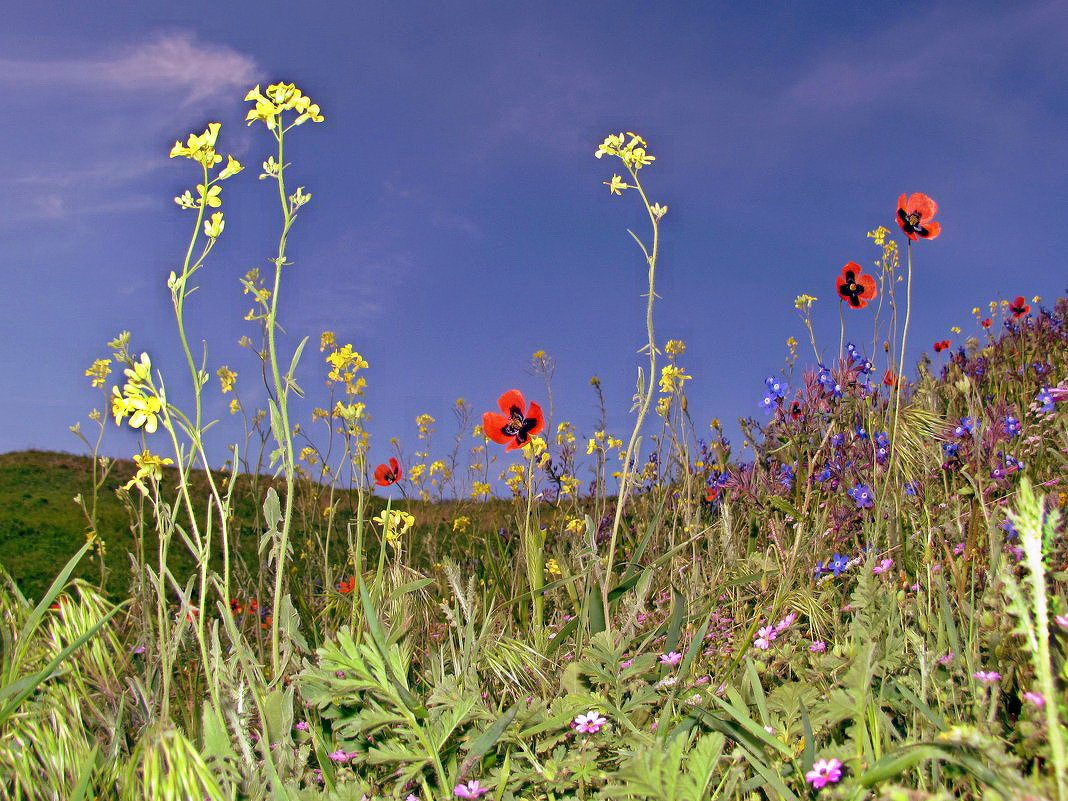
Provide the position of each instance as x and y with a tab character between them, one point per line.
890	379
855	287
347	586
1019	307
986	323
517	424
795	411
711	494
388	474
914	216
941	346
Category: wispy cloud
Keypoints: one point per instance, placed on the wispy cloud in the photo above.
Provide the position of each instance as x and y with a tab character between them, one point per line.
175	61
952	52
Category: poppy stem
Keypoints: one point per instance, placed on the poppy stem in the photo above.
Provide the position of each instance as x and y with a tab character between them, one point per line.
901	364
841	330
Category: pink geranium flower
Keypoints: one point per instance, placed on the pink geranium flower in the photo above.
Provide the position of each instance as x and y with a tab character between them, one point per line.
825	771
340	755
1035	698
818	647
672	658
470	790
590	723
986	676
883	566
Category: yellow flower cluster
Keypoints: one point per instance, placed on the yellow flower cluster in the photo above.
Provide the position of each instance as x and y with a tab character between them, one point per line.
461	524
675	347
603	441
425	423
201	149
99	371
227	378
576	526
515	477
672	378
552	568
565	433
143	409
632	154
149	466
804	302
480	489
568	485
345	363
327	340
281	97
879	235
395	524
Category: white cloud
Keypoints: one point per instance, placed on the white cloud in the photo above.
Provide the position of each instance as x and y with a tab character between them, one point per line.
175	61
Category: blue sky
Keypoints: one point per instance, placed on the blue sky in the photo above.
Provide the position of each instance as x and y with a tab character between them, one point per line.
459	221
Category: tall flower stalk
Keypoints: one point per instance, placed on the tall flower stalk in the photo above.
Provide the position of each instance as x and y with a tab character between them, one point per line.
270	109
633	155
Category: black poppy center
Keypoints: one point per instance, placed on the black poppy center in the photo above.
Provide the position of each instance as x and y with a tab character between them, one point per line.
518	426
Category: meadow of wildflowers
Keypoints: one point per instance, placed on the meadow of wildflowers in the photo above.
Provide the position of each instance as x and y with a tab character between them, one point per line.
866	600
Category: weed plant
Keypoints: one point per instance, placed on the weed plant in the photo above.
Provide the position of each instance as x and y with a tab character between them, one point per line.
872	606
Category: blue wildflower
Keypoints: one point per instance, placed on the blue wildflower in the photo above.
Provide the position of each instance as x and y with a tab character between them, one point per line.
786	476
775	386
860	433
838	564
862	497
767	403
825	474
912	488
964	428
1011	425
1046	399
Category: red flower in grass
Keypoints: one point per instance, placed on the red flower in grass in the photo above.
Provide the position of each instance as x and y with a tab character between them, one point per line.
517	424
388	474
1019	307
890	379
914	216
855	287
941	346
347	586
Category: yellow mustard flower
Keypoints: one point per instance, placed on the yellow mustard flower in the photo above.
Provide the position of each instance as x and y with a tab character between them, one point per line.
227	378
99	371
672	378
213	227
461	524
804	302
576	526
675	347
209	196
235	405
149	466
552	568
480	489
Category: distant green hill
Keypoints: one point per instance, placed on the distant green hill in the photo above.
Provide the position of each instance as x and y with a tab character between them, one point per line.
41	526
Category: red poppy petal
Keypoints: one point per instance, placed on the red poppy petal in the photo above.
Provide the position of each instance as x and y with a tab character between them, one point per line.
924	205
535	413
380	476
398	474
933	230
871	288
902	203
512	397
492	423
